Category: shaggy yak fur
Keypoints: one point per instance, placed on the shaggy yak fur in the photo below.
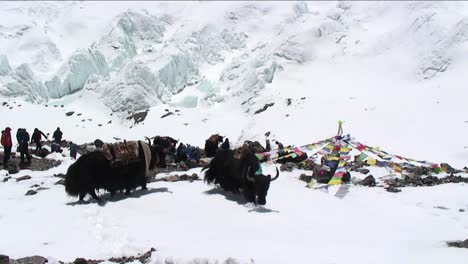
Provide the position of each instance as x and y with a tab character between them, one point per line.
164	146
211	145
238	175
93	171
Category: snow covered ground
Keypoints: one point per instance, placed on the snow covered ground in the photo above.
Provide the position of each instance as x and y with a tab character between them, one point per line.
394	71
187	221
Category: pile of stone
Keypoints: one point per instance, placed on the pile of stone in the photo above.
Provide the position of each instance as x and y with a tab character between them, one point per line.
143	258
175	178
416	181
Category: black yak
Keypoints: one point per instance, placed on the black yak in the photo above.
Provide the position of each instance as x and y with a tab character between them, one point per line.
239	172
211	145
93	171
164	146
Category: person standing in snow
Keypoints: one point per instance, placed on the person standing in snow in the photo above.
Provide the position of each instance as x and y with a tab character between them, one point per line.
73	150
57	136
23	140
7	144
268	146
36	138
279	144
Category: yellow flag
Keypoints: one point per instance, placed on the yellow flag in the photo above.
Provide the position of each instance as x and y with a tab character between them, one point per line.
371	161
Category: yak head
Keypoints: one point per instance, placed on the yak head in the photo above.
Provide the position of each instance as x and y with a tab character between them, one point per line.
261	185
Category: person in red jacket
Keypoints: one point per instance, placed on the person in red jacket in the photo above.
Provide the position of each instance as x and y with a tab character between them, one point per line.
7	144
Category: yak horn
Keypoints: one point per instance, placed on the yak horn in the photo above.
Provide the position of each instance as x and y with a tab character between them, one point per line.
149	141
277	175
250	179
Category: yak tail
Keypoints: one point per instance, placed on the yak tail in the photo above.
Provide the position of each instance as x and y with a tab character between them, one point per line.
210	173
72	181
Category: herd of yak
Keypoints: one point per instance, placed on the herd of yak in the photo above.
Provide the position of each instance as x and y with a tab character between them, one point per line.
125	166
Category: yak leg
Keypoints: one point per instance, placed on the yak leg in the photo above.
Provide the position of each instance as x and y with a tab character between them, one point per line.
112	193
82	196
143	184
127	191
94	195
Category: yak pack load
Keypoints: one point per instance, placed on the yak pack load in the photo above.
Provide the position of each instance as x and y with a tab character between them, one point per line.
121	152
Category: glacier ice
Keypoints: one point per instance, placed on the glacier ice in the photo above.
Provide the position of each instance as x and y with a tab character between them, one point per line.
4	65
72	76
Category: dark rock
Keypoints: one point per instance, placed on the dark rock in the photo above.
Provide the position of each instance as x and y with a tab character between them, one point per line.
35	186
461	210
31	192
13	170
6	179
79	114
61	105
288	101
22	178
61	181
69	113
110	121
4	259
267	134
80	261
42	188
55	105
392	189
100	125
60	175
82	120
32	260
363	171
265	107
368	181
441	207
43	153
458	244
167	114
305	177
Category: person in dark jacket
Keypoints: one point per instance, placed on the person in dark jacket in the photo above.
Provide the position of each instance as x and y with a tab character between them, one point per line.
73	150
7	144
181	153
57	136
225	144
280	145
23	140
36	138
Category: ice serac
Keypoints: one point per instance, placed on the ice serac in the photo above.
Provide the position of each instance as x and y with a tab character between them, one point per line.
136	88
141	84
22	83
5	68
72	76
131	31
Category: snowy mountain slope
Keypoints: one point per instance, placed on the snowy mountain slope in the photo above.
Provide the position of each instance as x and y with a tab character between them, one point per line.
175	43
